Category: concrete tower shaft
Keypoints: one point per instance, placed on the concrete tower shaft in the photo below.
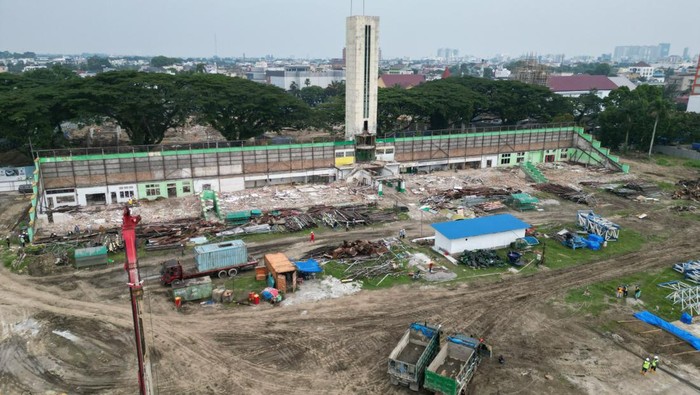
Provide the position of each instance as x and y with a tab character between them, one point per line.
362	73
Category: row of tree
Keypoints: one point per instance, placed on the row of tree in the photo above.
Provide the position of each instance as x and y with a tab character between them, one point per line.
145	105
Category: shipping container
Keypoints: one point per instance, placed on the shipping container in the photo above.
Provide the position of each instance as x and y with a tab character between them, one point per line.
193	289
92	256
215	256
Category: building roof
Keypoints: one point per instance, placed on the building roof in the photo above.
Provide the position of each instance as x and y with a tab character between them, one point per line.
279	262
580	82
621	81
479	226
641	64
405	81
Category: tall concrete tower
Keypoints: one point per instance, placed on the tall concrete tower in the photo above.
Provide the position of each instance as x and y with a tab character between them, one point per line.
362	72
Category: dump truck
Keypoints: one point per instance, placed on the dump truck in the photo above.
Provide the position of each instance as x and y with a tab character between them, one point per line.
220	259
455	364
413	354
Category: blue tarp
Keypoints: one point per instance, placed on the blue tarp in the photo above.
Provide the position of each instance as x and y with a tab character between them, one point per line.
308	266
426	330
668	327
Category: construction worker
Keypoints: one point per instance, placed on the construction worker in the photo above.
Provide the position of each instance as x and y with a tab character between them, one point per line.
312	237
7	240
654	363
645	366
430	267
624	291
619	291
637	292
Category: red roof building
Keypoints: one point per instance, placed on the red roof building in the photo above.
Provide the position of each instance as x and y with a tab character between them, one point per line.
446	73
406	81
576	85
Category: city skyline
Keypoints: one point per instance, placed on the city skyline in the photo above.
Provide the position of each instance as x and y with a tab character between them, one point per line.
315	28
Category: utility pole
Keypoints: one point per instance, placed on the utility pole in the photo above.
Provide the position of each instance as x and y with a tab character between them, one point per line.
135	284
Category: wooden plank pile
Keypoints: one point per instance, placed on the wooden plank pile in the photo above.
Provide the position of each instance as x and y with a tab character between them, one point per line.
566	192
688	189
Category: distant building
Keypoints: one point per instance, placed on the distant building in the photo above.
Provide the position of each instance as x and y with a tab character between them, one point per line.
681	82
406	81
642	69
579	84
495	231
641	53
302	76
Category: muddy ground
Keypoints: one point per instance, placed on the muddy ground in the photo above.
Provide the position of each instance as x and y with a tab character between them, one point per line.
71	332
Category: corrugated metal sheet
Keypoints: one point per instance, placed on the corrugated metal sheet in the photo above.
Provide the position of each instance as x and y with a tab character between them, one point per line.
214	256
194	289
279	263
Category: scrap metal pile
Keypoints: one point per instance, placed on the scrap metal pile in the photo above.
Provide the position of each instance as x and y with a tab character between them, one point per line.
351	249
567	193
688	189
480	259
632	190
170	235
349	215
443	199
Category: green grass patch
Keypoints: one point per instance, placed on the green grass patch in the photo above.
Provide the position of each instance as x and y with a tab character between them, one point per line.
693	163
558	256
667	186
243	283
7	258
663	162
601	296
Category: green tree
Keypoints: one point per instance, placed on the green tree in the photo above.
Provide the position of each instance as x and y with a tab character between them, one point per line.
241	109
144	104
312	95
587	107
97	64
164	61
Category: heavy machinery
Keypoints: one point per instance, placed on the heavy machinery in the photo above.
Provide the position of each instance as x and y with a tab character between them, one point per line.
455	364
223	260
135	284
415	351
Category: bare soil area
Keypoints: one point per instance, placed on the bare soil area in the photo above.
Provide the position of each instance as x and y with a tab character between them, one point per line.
71	331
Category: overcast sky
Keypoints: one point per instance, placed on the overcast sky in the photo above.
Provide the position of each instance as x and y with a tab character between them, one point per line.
315	28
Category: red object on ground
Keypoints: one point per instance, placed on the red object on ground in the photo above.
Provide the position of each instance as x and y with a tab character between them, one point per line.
256	299
178	302
313	237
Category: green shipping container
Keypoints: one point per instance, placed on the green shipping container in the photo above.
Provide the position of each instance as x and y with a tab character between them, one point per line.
92	256
194	289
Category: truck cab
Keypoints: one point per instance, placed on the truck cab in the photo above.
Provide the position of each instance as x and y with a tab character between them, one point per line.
171	272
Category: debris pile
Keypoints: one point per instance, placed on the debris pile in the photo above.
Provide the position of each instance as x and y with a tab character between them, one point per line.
443	199
351	249
688	189
480	259
170	235
567	193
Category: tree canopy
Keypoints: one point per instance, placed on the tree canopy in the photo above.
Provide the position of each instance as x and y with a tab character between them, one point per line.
35	104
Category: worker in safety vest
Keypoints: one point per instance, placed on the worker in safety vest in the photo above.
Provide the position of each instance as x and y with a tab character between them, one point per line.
645	366
654	363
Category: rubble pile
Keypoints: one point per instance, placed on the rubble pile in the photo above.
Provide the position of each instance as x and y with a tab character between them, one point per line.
350	249
688	189
567	193
443	199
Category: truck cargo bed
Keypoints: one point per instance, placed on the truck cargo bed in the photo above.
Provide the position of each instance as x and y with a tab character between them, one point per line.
411	353
450	367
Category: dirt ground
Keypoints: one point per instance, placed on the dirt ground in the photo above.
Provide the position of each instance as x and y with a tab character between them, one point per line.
71	331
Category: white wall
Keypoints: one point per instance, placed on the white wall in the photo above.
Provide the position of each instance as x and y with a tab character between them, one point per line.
492	158
199	185
493	240
82	192
232	184
118	188
694	104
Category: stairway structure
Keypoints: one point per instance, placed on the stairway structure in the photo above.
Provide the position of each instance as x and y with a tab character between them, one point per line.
588	150
534	173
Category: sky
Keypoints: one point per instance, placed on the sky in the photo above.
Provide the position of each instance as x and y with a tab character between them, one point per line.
316	28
